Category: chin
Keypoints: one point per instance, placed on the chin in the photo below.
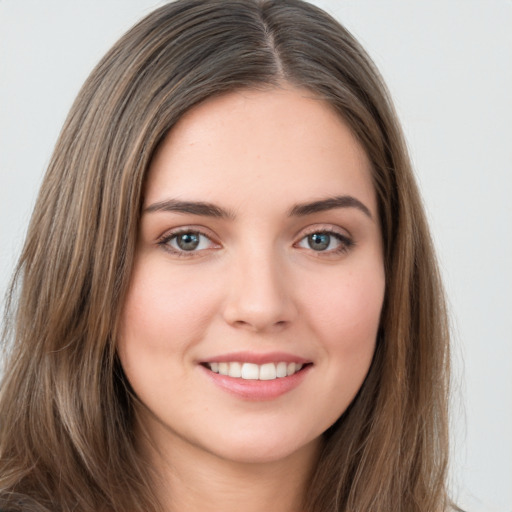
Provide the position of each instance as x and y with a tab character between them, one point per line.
267	449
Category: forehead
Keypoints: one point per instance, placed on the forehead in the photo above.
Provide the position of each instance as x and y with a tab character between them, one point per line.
249	143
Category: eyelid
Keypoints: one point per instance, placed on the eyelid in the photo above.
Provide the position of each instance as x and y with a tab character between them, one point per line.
164	239
344	237
324	228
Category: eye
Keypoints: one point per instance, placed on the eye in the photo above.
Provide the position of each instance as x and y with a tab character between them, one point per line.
188	241
326	241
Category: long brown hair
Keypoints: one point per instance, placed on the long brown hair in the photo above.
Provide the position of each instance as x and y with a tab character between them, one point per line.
66	415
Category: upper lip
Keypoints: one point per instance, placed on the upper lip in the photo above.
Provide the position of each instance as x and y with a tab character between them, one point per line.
256	358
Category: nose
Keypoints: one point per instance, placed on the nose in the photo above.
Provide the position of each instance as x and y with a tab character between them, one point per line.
260	295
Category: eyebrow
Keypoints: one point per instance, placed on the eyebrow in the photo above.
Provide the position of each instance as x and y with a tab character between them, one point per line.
206	209
193	207
303	209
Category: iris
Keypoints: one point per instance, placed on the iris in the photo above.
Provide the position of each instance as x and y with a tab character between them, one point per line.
319	241
187	241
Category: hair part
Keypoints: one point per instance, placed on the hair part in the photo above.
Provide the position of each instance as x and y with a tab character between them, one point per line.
63	390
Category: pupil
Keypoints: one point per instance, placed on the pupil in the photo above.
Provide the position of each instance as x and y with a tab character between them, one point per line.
319	241
188	241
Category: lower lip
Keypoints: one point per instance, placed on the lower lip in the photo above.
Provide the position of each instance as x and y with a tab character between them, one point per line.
258	390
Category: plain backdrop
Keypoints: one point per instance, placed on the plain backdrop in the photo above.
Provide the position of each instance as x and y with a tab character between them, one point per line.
448	64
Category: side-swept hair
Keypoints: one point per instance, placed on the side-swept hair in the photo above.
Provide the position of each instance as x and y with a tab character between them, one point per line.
66	436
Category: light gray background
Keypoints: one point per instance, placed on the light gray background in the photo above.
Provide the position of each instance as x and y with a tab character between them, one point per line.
448	64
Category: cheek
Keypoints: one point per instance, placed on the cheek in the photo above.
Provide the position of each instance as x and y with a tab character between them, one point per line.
164	311
346	314
351	301
342	313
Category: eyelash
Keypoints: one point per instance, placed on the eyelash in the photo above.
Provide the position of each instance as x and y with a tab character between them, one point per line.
346	243
168	237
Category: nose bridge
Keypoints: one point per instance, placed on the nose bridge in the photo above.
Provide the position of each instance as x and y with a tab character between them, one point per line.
259	295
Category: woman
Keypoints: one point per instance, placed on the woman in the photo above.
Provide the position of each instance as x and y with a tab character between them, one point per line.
228	293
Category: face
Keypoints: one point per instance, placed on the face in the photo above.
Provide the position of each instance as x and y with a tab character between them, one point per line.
255	298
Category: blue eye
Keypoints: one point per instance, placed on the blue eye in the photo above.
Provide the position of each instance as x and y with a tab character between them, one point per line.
319	241
325	241
187	241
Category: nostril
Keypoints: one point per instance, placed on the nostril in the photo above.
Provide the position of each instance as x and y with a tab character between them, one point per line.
257	325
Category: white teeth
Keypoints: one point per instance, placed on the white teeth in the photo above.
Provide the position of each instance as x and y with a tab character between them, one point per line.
281	369
251	371
268	371
235	370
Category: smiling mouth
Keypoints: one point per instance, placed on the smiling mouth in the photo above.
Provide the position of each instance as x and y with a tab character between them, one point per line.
252	371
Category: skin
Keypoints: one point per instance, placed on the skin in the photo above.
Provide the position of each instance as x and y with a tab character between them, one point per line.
254	284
